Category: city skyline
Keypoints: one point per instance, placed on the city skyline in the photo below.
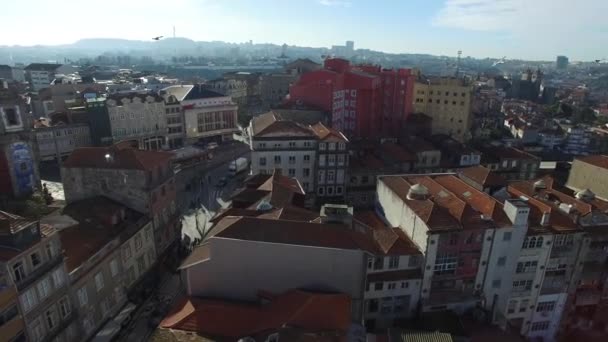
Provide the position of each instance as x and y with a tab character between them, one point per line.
480	28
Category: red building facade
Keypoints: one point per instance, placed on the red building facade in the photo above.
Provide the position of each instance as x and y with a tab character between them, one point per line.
365	101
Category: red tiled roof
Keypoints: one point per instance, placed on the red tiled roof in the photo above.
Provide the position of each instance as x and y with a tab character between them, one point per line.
118	158
450	204
270	124
327	134
483	176
539	205
389	241
232	320
597	160
95	228
291	232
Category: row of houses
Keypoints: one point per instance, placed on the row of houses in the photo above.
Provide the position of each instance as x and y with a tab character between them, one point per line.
333	169
73	275
531	259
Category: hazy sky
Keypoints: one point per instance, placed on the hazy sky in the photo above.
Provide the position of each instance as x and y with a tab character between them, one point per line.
533	29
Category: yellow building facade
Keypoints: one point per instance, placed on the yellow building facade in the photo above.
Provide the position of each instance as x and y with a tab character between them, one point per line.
448	101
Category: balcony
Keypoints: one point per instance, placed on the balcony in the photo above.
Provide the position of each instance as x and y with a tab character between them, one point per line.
61	327
39	272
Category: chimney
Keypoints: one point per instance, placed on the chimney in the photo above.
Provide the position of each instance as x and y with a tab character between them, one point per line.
544	221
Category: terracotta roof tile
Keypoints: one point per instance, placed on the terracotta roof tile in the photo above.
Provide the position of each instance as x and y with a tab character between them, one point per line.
483	176
95	229
389	241
540	204
232	320
118	158
450	204
327	134
291	232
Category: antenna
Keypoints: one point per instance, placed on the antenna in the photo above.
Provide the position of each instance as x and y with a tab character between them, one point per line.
458	62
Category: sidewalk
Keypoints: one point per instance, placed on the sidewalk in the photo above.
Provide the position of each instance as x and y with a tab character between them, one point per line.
141	327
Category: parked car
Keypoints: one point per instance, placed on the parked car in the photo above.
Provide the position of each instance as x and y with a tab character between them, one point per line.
212	145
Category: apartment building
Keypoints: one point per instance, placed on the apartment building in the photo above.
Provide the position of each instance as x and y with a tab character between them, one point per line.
394	273
139	118
58	98
17	146
467	238
32	268
546	270
578	140
509	162
284	146
176	132
331	164
365	100
59	141
41	75
108	248
448	101
234	88
209	116
274	88
139	179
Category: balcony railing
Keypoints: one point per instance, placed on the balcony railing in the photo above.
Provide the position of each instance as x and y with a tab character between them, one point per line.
39	272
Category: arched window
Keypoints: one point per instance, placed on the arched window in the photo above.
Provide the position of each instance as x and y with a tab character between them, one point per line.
525	245
539	242
532	242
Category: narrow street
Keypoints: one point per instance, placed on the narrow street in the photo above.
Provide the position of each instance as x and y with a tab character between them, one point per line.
198	193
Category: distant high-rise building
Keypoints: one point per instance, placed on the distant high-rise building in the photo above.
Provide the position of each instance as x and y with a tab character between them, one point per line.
350	46
561	62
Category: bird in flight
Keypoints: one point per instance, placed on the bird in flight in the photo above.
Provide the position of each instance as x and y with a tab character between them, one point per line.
157	38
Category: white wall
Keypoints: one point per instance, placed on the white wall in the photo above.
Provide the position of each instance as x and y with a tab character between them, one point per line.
238	269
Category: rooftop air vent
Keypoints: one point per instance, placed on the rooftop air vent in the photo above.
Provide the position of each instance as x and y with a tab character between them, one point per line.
417	192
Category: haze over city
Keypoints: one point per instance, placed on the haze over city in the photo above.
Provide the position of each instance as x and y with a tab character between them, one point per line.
534	30
304	170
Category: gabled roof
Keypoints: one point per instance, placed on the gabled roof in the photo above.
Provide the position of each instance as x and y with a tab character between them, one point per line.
190	92
271	125
115	157
327	134
397	152
450	203
291	233
389	241
229	320
483	176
